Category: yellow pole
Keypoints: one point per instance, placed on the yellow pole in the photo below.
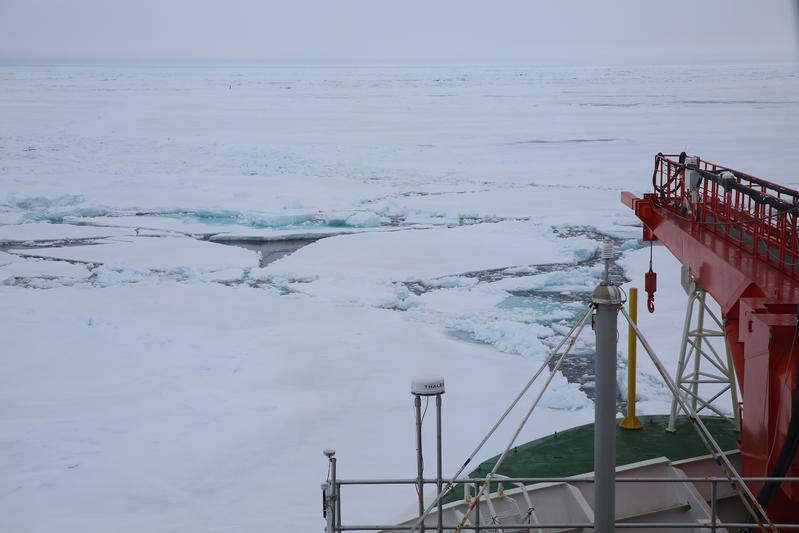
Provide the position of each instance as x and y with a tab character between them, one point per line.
631	421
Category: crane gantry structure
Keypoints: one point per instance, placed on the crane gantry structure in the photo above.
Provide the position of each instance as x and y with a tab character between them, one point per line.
738	235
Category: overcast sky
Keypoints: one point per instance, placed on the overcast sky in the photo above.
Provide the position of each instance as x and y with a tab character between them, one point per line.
400	31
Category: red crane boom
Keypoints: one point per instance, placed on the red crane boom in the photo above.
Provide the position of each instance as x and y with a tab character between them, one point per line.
738	233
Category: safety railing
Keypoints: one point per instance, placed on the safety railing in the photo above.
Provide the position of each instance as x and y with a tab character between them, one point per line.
332	490
754	214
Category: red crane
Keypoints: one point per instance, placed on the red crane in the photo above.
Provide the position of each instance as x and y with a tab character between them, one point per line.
738	233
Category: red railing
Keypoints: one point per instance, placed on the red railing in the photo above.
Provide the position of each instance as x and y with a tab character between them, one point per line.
758	216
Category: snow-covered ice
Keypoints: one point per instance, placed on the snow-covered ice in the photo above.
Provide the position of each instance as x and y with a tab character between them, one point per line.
43	231
41	273
152	253
172	224
430	253
204	406
156	379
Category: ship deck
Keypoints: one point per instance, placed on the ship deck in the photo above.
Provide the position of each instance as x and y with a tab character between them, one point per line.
571	452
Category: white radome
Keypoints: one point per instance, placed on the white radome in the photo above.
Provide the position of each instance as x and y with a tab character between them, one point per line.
427	386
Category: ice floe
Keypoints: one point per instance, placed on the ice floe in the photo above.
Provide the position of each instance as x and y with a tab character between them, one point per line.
430	253
42	273
153	253
155	223
43	231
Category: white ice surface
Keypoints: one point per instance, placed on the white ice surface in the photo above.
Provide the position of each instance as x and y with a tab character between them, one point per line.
181	404
430	253
286	226
366	268
263	140
153	253
43	231
205	408
310	232
156	223
6	258
552	204
11	217
33	268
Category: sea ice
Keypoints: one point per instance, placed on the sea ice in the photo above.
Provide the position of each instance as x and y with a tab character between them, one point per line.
430	253
156	223
66	273
153	253
43	231
153	396
186	404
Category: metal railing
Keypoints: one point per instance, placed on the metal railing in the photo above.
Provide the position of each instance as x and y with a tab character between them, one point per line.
332	504
754	214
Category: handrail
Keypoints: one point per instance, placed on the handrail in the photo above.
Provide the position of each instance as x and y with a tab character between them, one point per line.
713	524
742	175
754	214
586	525
529	480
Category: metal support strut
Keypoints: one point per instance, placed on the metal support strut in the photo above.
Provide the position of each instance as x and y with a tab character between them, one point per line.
700	362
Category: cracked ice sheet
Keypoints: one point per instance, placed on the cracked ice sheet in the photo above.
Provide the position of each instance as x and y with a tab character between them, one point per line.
154	253
527	331
33	268
288	224
205	223
363	268
44	231
340	136
474	311
167	224
421	254
311	232
183	407
580	279
550	204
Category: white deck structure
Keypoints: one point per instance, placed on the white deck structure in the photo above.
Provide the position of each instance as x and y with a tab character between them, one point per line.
564	503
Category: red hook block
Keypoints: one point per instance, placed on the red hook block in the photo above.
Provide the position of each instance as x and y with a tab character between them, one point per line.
650	286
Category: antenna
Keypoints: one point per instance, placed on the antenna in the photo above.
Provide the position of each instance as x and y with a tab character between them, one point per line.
428	387
607	257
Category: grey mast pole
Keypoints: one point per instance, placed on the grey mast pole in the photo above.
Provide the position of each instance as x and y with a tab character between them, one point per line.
417	403
427	387
606	300
439	476
332	507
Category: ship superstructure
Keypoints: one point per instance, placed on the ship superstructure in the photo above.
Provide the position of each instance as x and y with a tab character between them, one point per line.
738	235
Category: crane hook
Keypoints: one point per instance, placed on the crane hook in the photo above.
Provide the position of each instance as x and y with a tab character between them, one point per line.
650	283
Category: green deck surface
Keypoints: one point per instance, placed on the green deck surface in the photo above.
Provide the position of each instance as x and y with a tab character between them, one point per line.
571	452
